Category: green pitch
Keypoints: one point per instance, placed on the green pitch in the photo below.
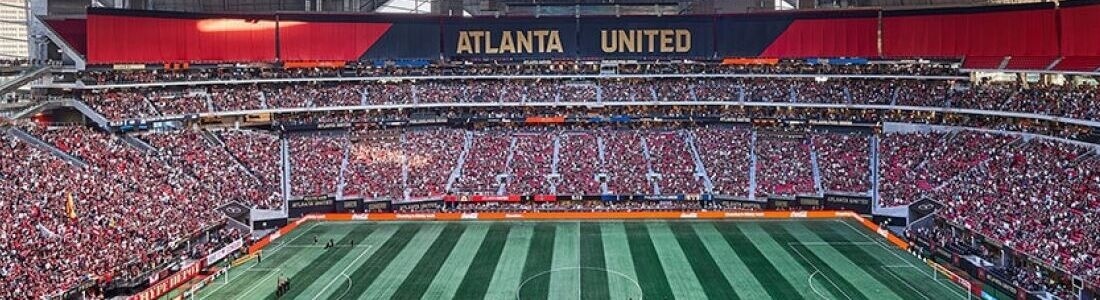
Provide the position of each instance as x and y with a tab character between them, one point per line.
808	259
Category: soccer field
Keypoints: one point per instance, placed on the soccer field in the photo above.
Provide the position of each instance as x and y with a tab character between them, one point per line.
752	259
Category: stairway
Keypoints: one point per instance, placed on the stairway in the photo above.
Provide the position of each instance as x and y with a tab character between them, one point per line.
700	169
139	144
340	179
816	168
752	168
508	165
554	163
467	143
43	145
216	141
656	187
406	191
284	161
874	170
602	149
90	113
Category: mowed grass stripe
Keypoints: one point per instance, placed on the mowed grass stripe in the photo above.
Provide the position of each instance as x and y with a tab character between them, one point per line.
796	273
335	282
540	254
481	270
842	262
863	257
710	277
365	274
749	247
616	253
565	277
732	265
385	284
430	263
509	271
829	278
889	255
322	264
651	275
681	277
446	281
593	278
241	279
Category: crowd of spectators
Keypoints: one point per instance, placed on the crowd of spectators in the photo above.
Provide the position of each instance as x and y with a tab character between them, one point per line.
213	166
626	164
783	166
430	165
258	152
117	105
179	103
315	163
376	163
845	162
579	161
1023	196
726	155
1076	101
91	77
127	208
532	162
486	163
1037	196
901	166
915	164
672	162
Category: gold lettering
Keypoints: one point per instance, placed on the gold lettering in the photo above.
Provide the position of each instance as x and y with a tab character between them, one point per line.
489	42
650	35
463	43
506	45
666	40
523	42
555	43
540	36
477	40
683	39
604	43
626	41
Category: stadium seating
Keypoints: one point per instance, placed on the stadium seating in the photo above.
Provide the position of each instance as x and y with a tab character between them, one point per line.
783	166
1076	101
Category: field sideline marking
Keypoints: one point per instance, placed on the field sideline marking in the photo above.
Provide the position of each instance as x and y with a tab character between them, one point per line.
257	263
953	289
253	288
816	270
343	273
906	282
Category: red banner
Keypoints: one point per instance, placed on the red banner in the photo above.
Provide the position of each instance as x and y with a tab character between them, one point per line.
166	285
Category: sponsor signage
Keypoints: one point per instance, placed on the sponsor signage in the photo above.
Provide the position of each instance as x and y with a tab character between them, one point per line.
309	205
858	203
219	254
419	205
509	38
636	36
166	285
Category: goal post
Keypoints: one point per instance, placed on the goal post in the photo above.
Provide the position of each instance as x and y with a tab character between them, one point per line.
942	274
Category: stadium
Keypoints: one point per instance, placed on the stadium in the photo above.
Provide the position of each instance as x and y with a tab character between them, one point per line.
549	149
